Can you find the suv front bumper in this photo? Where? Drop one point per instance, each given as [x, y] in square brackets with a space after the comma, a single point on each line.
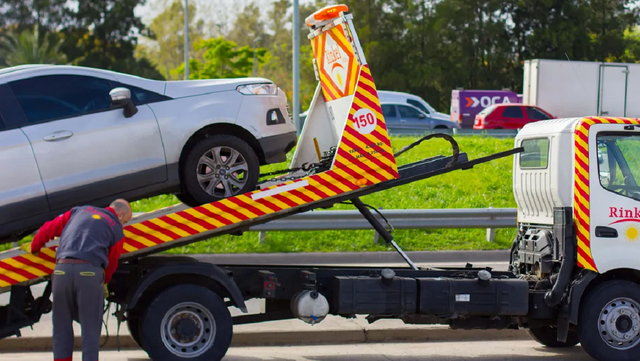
[276, 147]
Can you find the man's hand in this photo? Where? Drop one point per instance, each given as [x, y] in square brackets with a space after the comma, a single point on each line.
[106, 291]
[27, 248]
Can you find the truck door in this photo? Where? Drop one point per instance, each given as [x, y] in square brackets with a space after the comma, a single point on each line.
[614, 196]
[613, 91]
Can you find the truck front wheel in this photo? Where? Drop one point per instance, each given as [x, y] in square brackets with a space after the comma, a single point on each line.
[186, 322]
[609, 324]
[548, 336]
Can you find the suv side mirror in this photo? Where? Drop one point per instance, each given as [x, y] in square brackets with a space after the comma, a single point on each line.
[121, 98]
[422, 116]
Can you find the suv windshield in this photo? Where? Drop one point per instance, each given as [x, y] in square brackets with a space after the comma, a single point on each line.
[619, 164]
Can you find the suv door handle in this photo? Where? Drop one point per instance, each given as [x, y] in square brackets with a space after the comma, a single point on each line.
[58, 136]
[606, 232]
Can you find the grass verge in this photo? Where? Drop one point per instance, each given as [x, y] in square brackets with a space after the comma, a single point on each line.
[486, 185]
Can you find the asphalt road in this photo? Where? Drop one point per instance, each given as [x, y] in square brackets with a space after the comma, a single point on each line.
[432, 351]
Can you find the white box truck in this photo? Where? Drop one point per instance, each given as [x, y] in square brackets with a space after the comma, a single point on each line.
[579, 88]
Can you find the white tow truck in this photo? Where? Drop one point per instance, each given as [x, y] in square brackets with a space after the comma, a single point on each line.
[574, 271]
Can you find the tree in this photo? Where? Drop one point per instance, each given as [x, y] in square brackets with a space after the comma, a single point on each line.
[165, 49]
[248, 26]
[222, 59]
[30, 47]
[103, 36]
[47, 14]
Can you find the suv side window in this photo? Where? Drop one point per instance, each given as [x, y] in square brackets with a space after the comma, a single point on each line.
[408, 112]
[2, 125]
[61, 96]
[140, 96]
[418, 105]
[534, 113]
[512, 112]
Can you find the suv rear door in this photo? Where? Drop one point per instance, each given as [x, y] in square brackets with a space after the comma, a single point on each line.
[22, 194]
[87, 151]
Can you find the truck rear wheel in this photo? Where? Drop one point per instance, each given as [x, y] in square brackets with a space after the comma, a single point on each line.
[186, 322]
[548, 336]
[609, 324]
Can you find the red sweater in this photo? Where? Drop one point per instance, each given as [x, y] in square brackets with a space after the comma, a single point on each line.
[54, 228]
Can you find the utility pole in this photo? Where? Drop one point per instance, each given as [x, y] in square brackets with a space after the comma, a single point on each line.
[186, 39]
[254, 54]
[296, 65]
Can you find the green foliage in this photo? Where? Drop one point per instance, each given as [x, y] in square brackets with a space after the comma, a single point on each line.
[165, 48]
[25, 14]
[222, 59]
[31, 47]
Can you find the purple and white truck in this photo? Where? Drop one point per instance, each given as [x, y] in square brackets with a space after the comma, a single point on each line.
[466, 104]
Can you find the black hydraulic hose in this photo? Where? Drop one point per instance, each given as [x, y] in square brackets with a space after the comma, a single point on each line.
[553, 297]
[454, 145]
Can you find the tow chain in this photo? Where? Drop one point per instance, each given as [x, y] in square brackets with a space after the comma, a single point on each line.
[309, 169]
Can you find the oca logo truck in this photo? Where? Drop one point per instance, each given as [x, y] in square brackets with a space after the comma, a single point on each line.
[466, 104]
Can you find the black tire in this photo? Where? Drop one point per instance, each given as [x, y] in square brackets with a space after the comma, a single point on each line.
[216, 332]
[225, 145]
[548, 336]
[133, 324]
[187, 199]
[616, 294]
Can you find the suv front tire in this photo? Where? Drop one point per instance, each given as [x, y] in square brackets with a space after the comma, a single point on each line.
[217, 167]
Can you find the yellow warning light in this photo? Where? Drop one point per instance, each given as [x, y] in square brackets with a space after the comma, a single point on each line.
[326, 13]
[361, 182]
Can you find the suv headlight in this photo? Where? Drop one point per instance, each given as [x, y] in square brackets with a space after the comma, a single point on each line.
[258, 89]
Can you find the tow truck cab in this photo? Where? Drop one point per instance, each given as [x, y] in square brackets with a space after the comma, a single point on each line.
[576, 187]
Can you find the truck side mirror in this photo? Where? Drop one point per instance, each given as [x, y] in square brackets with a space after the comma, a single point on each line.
[422, 116]
[121, 98]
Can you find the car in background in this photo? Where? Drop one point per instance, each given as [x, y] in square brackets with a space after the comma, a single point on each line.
[509, 116]
[72, 135]
[401, 117]
[386, 96]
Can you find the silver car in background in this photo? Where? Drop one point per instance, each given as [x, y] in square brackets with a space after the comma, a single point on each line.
[404, 118]
[72, 135]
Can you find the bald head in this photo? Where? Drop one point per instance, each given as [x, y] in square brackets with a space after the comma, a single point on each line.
[123, 210]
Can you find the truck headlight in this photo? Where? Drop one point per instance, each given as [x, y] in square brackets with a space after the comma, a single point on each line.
[258, 89]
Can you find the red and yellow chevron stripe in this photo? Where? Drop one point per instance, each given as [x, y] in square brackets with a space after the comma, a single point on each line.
[581, 207]
[332, 52]
[368, 154]
[364, 157]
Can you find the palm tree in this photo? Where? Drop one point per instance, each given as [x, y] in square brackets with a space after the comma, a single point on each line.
[29, 48]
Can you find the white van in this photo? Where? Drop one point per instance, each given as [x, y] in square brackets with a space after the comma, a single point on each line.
[386, 96]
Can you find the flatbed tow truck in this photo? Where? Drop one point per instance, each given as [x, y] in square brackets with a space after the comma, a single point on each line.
[574, 273]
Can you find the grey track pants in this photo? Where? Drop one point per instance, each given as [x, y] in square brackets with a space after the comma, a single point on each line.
[78, 294]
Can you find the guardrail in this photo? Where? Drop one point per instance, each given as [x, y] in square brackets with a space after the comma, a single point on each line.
[496, 133]
[489, 218]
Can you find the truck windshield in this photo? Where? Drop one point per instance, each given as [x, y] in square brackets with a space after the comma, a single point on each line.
[619, 163]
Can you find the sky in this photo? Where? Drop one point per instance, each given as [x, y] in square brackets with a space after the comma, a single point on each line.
[211, 11]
